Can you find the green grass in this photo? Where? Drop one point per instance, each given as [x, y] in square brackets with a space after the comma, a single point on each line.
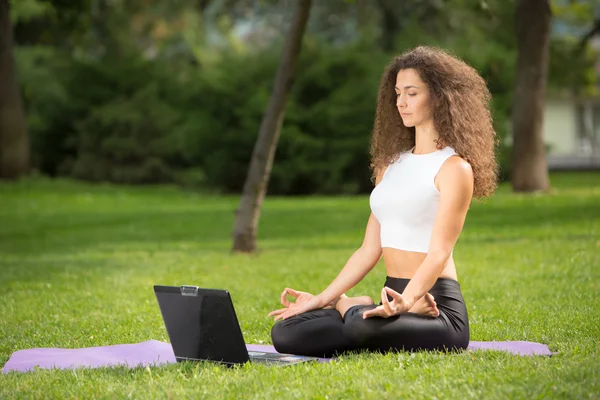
[77, 265]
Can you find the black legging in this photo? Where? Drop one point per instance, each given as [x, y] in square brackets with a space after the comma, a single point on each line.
[323, 333]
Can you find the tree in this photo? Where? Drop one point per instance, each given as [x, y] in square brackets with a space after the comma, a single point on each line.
[255, 187]
[14, 139]
[529, 166]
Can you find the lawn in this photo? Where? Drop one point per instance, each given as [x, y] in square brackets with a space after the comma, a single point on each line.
[78, 261]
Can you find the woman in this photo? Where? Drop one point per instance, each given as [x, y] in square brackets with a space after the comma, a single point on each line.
[432, 150]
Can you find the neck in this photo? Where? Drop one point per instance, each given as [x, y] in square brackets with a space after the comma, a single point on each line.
[426, 138]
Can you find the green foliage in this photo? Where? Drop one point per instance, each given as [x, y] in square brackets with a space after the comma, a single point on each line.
[128, 140]
[323, 146]
[330, 119]
[42, 72]
[575, 12]
[166, 94]
[78, 261]
[26, 10]
[114, 112]
[223, 107]
[102, 121]
[56, 22]
[571, 69]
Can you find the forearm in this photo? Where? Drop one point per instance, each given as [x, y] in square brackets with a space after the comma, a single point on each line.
[425, 276]
[357, 267]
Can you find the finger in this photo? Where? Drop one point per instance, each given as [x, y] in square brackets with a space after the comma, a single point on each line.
[368, 314]
[285, 315]
[289, 312]
[430, 300]
[279, 316]
[292, 292]
[283, 299]
[432, 304]
[277, 312]
[375, 312]
[395, 295]
[387, 306]
[398, 298]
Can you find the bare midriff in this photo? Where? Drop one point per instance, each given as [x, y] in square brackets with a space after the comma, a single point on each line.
[404, 264]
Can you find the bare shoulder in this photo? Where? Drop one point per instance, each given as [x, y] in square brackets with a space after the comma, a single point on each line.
[457, 166]
[455, 173]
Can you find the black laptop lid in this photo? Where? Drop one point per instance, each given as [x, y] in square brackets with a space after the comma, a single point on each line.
[201, 324]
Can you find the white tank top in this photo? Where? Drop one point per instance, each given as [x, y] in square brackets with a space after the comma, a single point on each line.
[406, 200]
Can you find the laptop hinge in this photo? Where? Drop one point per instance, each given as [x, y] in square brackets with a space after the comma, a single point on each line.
[189, 290]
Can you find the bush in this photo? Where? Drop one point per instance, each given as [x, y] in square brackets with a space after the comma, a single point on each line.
[129, 120]
[131, 139]
[102, 121]
[42, 73]
[323, 147]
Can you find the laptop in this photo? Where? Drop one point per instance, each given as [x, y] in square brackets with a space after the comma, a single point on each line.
[202, 326]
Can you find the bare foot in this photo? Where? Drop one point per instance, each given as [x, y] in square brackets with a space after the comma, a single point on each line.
[345, 303]
[426, 306]
[333, 304]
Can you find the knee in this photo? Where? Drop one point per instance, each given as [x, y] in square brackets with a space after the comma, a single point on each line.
[283, 337]
[357, 330]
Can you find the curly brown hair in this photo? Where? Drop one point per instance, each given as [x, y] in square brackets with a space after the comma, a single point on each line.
[461, 116]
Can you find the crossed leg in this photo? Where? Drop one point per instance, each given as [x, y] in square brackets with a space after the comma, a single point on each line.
[297, 334]
[426, 305]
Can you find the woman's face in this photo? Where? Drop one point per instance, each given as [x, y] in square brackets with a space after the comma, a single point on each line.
[412, 98]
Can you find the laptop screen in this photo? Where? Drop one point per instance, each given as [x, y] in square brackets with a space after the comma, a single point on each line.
[202, 325]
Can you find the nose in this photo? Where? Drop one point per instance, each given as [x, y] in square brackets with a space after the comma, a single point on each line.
[400, 101]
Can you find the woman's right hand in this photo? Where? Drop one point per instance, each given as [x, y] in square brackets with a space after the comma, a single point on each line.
[304, 302]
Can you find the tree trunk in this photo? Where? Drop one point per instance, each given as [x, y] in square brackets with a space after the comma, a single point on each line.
[529, 168]
[255, 187]
[14, 140]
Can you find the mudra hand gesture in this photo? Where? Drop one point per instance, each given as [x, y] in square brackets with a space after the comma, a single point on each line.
[304, 302]
[389, 308]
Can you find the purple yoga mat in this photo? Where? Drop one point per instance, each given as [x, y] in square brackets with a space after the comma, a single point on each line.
[154, 352]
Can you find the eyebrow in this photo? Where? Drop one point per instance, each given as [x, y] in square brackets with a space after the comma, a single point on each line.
[406, 87]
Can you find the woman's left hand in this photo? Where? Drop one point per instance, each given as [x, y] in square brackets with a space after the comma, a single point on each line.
[388, 308]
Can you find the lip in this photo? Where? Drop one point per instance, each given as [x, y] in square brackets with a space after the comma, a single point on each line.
[404, 114]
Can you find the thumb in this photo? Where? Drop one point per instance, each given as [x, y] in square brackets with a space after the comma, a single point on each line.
[292, 292]
[395, 295]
